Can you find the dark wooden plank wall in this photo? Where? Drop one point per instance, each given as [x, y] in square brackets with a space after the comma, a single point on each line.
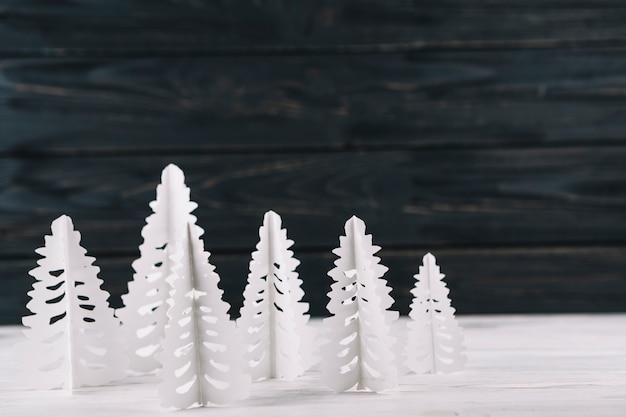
[491, 133]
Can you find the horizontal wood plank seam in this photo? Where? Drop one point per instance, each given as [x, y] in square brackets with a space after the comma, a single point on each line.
[27, 154]
[348, 49]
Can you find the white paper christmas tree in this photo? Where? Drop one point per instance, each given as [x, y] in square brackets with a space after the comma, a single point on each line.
[144, 315]
[273, 318]
[435, 340]
[202, 358]
[360, 349]
[73, 337]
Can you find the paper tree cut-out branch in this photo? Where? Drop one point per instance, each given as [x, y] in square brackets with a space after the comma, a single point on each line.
[202, 358]
[73, 338]
[434, 340]
[273, 318]
[144, 315]
[360, 349]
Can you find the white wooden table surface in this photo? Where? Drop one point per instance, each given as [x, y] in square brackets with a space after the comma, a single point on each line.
[554, 365]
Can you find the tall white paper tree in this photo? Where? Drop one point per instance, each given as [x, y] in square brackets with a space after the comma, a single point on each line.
[359, 350]
[73, 338]
[273, 318]
[144, 315]
[202, 358]
[434, 340]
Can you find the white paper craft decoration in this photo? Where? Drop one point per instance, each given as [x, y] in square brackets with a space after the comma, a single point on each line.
[273, 318]
[73, 337]
[435, 340]
[144, 315]
[202, 358]
[360, 349]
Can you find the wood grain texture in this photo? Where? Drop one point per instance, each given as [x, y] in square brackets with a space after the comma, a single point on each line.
[199, 27]
[492, 128]
[490, 280]
[437, 197]
[247, 104]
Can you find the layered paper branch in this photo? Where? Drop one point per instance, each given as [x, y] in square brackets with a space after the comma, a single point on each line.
[202, 357]
[144, 315]
[435, 340]
[73, 337]
[273, 318]
[359, 350]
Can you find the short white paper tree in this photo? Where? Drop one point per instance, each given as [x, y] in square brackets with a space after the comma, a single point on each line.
[434, 340]
[73, 338]
[273, 318]
[202, 358]
[144, 315]
[359, 350]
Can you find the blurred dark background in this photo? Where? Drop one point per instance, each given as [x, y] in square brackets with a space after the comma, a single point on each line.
[491, 133]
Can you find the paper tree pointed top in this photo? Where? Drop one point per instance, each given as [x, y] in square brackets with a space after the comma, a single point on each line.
[62, 221]
[430, 262]
[172, 169]
[272, 226]
[173, 178]
[73, 337]
[175, 196]
[435, 340]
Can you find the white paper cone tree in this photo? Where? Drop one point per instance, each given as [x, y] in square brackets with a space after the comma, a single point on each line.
[202, 358]
[144, 315]
[273, 318]
[359, 350]
[73, 338]
[434, 340]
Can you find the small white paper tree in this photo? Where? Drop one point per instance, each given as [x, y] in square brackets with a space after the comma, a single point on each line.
[144, 315]
[202, 358]
[273, 318]
[360, 349]
[73, 337]
[435, 340]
